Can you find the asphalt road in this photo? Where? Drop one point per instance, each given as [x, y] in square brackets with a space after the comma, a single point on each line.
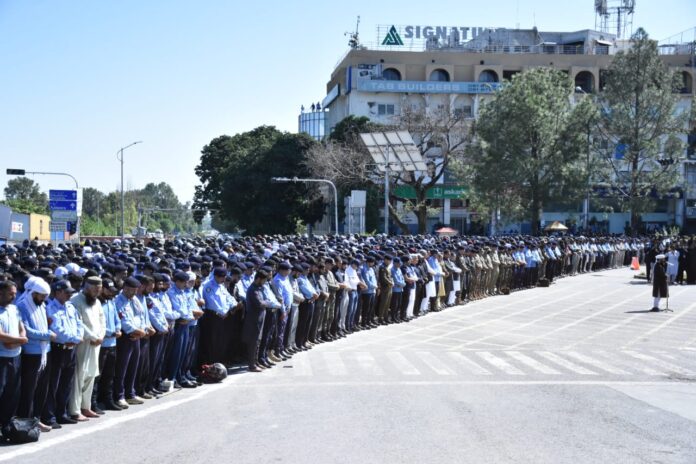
[574, 373]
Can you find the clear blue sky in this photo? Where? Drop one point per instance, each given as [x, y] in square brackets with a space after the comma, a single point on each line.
[80, 79]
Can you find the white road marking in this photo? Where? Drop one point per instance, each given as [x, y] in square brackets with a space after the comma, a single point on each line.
[659, 362]
[564, 363]
[534, 322]
[596, 363]
[334, 363]
[499, 363]
[673, 318]
[402, 364]
[434, 363]
[367, 362]
[533, 363]
[470, 365]
[578, 321]
[632, 365]
[301, 367]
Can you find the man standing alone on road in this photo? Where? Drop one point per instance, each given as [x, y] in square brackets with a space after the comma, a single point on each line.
[660, 282]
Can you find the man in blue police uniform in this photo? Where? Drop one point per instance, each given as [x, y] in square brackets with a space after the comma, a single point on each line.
[65, 323]
[104, 389]
[133, 326]
[182, 310]
[218, 304]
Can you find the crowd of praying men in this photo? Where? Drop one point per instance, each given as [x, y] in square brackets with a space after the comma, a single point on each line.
[107, 325]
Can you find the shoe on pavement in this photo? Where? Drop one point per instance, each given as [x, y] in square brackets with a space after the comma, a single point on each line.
[134, 401]
[44, 428]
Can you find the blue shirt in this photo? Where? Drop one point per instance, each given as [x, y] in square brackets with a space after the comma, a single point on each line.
[113, 323]
[65, 322]
[192, 295]
[399, 281]
[9, 323]
[132, 314]
[166, 303]
[36, 326]
[217, 298]
[284, 287]
[180, 304]
[306, 287]
[435, 265]
[369, 278]
[155, 312]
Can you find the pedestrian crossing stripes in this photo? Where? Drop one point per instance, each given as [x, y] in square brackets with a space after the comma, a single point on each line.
[489, 364]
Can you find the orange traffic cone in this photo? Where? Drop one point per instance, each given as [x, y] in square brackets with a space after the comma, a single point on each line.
[635, 265]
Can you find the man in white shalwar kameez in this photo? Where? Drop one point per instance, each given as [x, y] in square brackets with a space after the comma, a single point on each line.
[90, 310]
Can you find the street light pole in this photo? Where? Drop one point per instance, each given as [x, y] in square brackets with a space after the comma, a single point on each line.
[119, 155]
[325, 181]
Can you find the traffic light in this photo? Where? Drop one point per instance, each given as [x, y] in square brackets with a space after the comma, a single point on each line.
[72, 228]
[15, 172]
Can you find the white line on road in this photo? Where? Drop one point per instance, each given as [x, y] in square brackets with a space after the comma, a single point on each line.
[659, 362]
[367, 362]
[334, 363]
[533, 363]
[622, 361]
[577, 321]
[434, 363]
[661, 326]
[301, 367]
[402, 364]
[596, 363]
[539, 319]
[470, 365]
[564, 363]
[499, 363]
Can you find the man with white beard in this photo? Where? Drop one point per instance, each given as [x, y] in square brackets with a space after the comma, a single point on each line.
[90, 310]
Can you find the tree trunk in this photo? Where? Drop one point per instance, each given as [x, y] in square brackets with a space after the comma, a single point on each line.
[422, 214]
[394, 217]
[537, 209]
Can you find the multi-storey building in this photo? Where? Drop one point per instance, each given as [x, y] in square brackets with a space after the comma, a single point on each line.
[424, 67]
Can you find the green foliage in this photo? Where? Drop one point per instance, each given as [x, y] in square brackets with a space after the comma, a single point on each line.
[529, 146]
[24, 196]
[236, 172]
[638, 110]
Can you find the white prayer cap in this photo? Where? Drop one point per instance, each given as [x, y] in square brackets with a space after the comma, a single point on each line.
[72, 268]
[191, 275]
[61, 272]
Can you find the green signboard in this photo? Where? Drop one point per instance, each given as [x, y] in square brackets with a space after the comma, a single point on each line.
[438, 192]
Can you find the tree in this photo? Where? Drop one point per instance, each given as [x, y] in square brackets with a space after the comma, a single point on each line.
[637, 135]
[242, 191]
[528, 146]
[24, 195]
[440, 135]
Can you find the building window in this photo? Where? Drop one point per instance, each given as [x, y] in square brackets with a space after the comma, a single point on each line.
[488, 76]
[391, 74]
[385, 109]
[508, 75]
[687, 83]
[462, 112]
[439, 75]
[584, 80]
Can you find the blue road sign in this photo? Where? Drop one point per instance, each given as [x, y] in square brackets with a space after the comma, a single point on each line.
[59, 205]
[62, 195]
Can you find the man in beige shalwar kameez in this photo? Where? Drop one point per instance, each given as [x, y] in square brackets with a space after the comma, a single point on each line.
[90, 310]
